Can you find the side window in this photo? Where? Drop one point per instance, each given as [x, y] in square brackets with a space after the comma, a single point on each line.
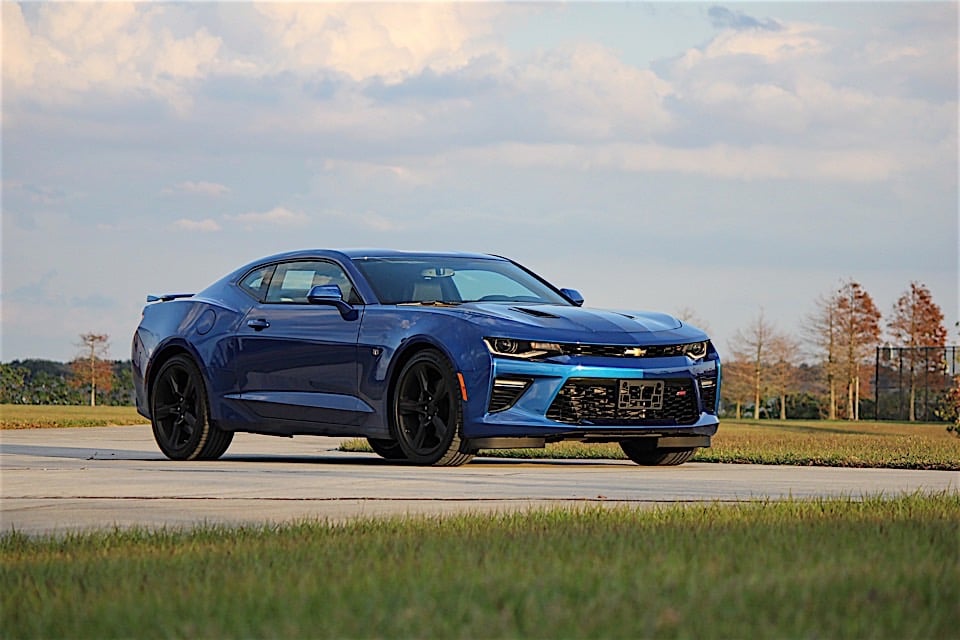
[292, 281]
[256, 282]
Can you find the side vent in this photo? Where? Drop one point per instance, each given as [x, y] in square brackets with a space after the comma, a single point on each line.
[708, 394]
[506, 392]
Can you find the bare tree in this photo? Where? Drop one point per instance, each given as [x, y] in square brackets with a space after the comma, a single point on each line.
[91, 367]
[689, 316]
[737, 384]
[917, 322]
[784, 355]
[820, 328]
[751, 345]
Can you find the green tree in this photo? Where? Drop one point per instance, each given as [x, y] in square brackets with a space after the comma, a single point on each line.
[13, 380]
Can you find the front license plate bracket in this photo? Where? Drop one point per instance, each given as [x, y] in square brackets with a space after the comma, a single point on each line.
[640, 394]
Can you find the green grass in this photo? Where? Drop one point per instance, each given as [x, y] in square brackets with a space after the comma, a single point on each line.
[836, 444]
[832, 568]
[896, 445]
[35, 416]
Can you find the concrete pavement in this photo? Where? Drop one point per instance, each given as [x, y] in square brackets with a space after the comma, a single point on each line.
[55, 480]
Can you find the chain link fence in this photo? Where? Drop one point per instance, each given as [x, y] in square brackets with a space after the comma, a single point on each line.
[914, 383]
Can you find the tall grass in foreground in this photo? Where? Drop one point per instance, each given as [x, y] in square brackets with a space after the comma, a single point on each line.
[831, 568]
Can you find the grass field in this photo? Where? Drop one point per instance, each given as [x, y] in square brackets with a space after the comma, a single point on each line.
[819, 443]
[28, 416]
[840, 444]
[813, 443]
[836, 444]
[836, 569]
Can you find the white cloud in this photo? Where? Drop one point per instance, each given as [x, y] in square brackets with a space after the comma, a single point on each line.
[588, 91]
[206, 225]
[773, 46]
[213, 189]
[278, 216]
[186, 58]
[75, 48]
[760, 162]
[850, 103]
[383, 40]
[396, 174]
[379, 223]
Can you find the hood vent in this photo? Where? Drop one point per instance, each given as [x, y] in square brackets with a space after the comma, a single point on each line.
[536, 313]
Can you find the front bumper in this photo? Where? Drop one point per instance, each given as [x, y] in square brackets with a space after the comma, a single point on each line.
[578, 400]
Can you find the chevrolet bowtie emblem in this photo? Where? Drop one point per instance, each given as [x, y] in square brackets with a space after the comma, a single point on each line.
[636, 352]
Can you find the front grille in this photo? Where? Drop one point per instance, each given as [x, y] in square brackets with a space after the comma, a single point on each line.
[596, 401]
[506, 392]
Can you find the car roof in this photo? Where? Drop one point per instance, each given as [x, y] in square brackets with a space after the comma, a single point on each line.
[343, 255]
[356, 254]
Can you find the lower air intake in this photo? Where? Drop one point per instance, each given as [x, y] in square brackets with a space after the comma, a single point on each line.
[598, 401]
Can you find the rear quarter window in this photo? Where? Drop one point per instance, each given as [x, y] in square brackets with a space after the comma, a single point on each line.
[257, 282]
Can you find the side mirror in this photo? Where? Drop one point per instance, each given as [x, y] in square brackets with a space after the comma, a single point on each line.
[330, 295]
[573, 296]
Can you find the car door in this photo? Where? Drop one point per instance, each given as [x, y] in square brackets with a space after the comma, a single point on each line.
[296, 360]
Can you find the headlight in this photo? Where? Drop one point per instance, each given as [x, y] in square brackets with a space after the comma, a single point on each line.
[525, 349]
[695, 350]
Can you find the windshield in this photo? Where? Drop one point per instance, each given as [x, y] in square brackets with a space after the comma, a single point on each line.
[452, 280]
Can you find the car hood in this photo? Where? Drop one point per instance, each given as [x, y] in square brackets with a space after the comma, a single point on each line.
[578, 324]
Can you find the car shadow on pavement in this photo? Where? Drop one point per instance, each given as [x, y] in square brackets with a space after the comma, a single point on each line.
[77, 453]
[366, 459]
[338, 458]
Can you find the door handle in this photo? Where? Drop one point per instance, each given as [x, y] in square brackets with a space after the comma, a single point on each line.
[258, 324]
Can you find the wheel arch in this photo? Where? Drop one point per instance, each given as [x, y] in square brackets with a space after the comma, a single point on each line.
[455, 452]
[410, 348]
[164, 354]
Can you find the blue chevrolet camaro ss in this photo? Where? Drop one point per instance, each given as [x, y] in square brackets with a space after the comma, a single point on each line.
[429, 356]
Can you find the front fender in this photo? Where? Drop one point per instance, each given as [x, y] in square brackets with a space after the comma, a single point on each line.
[390, 335]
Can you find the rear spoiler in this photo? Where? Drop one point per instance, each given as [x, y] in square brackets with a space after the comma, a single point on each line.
[166, 297]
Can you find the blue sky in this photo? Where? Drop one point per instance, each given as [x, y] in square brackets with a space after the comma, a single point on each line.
[713, 158]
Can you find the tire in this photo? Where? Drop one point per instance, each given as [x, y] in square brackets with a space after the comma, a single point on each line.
[387, 449]
[426, 413]
[179, 414]
[652, 457]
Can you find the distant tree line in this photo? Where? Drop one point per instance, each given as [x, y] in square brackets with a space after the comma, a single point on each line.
[49, 382]
[90, 378]
[829, 371]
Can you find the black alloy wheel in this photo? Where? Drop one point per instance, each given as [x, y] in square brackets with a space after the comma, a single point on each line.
[427, 415]
[653, 457]
[178, 410]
